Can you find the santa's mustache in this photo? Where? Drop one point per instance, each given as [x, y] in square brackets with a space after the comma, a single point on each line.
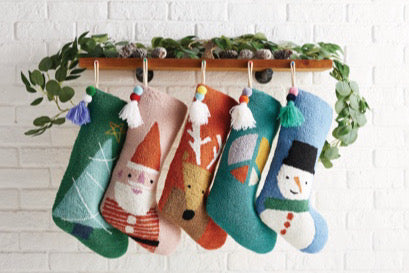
[139, 186]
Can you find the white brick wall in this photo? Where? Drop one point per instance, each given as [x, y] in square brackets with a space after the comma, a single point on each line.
[364, 197]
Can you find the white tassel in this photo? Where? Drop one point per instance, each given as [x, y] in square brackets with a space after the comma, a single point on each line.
[242, 117]
[199, 113]
[130, 113]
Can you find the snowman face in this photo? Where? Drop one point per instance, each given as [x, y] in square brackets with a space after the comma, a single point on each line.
[293, 183]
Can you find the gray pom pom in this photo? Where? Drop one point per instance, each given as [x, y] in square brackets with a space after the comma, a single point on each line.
[127, 50]
[246, 54]
[140, 53]
[159, 52]
[263, 54]
[228, 54]
[283, 54]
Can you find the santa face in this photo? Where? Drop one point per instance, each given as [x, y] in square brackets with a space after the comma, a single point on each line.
[136, 191]
[293, 183]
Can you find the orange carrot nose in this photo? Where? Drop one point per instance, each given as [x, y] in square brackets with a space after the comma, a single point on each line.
[297, 181]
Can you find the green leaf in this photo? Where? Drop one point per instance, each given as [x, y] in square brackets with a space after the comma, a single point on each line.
[361, 119]
[58, 121]
[100, 38]
[344, 130]
[30, 89]
[37, 78]
[339, 106]
[326, 162]
[66, 94]
[36, 101]
[354, 101]
[40, 121]
[61, 74]
[24, 79]
[45, 64]
[53, 88]
[72, 77]
[349, 138]
[332, 153]
[77, 71]
[343, 88]
[32, 132]
[73, 64]
[354, 86]
[156, 41]
[260, 36]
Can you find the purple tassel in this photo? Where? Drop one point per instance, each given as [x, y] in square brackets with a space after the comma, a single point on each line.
[79, 114]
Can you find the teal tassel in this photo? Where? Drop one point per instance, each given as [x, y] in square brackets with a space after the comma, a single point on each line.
[290, 115]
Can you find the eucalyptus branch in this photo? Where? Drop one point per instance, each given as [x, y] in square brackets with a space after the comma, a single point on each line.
[350, 106]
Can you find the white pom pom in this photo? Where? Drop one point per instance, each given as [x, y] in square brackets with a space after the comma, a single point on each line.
[131, 114]
[199, 113]
[242, 117]
[87, 98]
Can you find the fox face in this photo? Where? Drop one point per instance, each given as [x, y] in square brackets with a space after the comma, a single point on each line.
[196, 182]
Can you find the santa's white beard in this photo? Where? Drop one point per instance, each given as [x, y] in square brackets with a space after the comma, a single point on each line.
[137, 204]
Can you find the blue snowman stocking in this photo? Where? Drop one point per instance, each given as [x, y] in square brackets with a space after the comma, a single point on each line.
[283, 204]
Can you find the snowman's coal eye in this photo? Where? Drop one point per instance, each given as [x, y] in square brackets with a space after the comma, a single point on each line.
[306, 182]
[286, 177]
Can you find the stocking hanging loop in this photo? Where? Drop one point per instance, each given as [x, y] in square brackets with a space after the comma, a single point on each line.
[203, 70]
[250, 74]
[292, 66]
[290, 115]
[96, 73]
[145, 72]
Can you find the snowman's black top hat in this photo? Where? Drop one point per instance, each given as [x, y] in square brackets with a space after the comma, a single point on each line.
[302, 156]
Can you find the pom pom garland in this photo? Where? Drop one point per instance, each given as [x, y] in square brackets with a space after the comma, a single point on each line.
[290, 115]
[199, 112]
[79, 114]
[130, 112]
[241, 115]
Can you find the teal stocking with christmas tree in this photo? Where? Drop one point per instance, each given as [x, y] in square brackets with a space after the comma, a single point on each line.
[76, 207]
[231, 202]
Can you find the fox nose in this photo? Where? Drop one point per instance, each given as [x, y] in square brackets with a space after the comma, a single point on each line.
[188, 214]
[297, 181]
[141, 178]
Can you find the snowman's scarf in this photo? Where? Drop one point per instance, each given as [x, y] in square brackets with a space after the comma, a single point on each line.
[287, 205]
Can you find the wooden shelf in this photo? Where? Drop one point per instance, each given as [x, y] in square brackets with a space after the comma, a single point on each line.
[211, 65]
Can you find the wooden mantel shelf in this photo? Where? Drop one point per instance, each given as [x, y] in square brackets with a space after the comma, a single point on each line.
[211, 65]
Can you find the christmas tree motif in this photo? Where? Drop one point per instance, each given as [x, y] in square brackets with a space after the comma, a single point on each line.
[85, 194]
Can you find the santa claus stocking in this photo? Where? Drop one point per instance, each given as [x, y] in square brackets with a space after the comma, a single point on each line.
[283, 204]
[76, 207]
[231, 200]
[130, 201]
[191, 171]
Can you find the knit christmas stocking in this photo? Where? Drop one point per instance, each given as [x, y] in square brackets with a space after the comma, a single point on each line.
[191, 171]
[231, 202]
[283, 204]
[130, 201]
[76, 207]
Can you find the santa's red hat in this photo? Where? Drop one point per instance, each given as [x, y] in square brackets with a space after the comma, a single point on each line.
[147, 154]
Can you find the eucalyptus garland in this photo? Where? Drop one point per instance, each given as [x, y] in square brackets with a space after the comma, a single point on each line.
[51, 79]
